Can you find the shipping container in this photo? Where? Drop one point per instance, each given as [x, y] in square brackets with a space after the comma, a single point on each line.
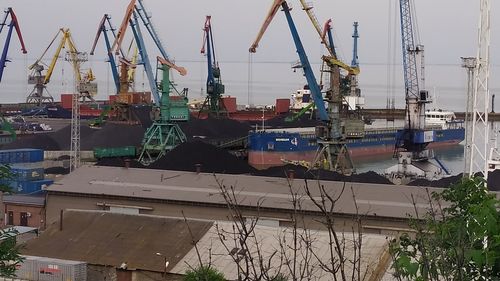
[121, 98]
[282, 106]
[26, 270]
[20, 186]
[48, 269]
[90, 113]
[25, 155]
[125, 151]
[67, 101]
[27, 174]
[229, 104]
[27, 165]
[141, 98]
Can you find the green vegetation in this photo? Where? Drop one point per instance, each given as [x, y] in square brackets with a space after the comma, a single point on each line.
[9, 253]
[204, 273]
[458, 239]
[5, 174]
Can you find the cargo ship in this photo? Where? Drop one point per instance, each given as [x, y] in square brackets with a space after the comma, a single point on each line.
[234, 111]
[269, 148]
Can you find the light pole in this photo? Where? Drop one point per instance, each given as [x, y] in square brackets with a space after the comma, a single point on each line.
[165, 263]
[469, 63]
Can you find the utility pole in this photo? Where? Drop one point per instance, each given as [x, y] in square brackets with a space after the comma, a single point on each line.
[480, 129]
[75, 58]
[469, 63]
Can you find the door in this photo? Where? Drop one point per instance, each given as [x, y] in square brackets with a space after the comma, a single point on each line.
[10, 218]
[24, 219]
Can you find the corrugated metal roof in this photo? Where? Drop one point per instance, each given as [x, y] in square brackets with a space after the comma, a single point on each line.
[372, 199]
[21, 229]
[104, 238]
[373, 247]
[24, 200]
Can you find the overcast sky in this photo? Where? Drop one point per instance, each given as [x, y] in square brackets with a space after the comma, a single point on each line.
[448, 29]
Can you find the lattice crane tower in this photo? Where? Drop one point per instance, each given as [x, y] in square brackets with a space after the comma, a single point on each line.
[480, 130]
[76, 58]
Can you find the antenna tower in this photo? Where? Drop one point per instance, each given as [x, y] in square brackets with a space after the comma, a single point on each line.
[480, 130]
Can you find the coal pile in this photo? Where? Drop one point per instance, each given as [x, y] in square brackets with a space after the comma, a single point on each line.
[110, 135]
[56, 171]
[186, 156]
[443, 183]
[300, 172]
[212, 128]
[38, 141]
[493, 181]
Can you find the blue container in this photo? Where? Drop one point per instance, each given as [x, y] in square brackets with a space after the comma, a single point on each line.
[25, 155]
[31, 186]
[27, 174]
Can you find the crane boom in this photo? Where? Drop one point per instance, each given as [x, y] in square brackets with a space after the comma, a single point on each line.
[148, 24]
[270, 15]
[111, 59]
[306, 66]
[14, 24]
[66, 39]
[408, 45]
[182, 71]
[123, 27]
[136, 30]
[308, 9]
[333, 59]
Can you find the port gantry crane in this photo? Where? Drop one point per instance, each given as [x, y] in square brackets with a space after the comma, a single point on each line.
[332, 152]
[123, 75]
[412, 141]
[350, 112]
[13, 24]
[86, 88]
[213, 102]
[106, 26]
[164, 134]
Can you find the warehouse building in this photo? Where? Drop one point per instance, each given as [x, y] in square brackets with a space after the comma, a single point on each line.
[24, 210]
[383, 208]
[144, 247]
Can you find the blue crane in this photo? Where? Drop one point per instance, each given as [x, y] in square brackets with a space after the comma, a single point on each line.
[332, 152]
[105, 26]
[306, 66]
[411, 137]
[412, 141]
[214, 85]
[355, 35]
[13, 24]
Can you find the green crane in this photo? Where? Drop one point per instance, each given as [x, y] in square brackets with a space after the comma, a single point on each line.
[164, 135]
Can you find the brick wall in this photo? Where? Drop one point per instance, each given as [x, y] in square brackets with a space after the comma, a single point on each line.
[35, 214]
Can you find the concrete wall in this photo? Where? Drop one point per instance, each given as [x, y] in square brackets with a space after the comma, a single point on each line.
[51, 155]
[58, 202]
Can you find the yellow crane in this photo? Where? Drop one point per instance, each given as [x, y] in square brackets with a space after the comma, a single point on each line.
[332, 58]
[87, 89]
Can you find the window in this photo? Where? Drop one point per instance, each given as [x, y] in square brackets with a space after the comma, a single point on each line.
[270, 146]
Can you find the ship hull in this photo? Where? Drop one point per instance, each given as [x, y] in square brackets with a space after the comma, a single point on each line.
[270, 149]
